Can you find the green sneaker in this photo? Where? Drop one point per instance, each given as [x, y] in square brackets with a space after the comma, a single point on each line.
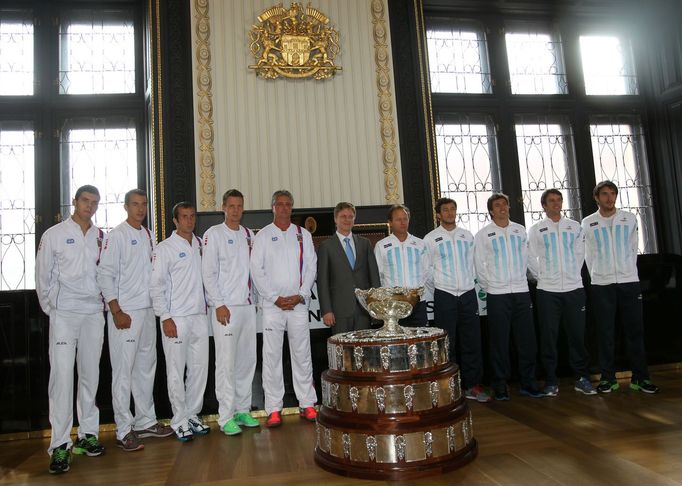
[245, 419]
[88, 445]
[644, 386]
[60, 460]
[231, 428]
[606, 386]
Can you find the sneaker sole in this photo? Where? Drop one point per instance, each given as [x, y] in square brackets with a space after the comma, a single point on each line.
[83, 452]
[155, 436]
[184, 439]
[592, 392]
[124, 449]
[230, 434]
[502, 399]
[61, 471]
[244, 424]
[201, 432]
[273, 426]
[640, 389]
[526, 394]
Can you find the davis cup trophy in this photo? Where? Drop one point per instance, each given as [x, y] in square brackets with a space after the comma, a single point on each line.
[392, 404]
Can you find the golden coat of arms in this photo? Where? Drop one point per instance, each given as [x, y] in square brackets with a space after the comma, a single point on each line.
[294, 43]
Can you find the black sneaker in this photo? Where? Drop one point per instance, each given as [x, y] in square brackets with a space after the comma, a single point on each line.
[88, 445]
[502, 395]
[644, 386]
[61, 460]
[529, 391]
[606, 386]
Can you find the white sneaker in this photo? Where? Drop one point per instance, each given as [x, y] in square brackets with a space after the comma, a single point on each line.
[198, 427]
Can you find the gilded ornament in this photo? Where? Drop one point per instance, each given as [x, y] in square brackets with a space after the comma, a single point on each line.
[294, 43]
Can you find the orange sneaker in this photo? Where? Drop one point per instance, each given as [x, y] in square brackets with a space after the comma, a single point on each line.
[274, 420]
[308, 413]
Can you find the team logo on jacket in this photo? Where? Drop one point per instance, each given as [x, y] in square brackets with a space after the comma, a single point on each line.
[594, 224]
[182, 254]
[440, 238]
[274, 238]
[70, 241]
[388, 245]
[515, 231]
[133, 242]
[491, 234]
[230, 242]
[543, 229]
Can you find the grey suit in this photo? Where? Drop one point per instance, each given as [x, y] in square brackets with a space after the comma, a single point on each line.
[336, 281]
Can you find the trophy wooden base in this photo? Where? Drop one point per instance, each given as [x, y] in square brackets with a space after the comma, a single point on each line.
[392, 408]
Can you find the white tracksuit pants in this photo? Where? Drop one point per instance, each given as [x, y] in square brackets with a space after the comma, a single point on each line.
[79, 338]
[295, 322]
[235, 360]
[189, 349]
[133, 367]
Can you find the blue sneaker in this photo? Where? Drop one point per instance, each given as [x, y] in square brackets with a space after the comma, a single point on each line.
[550, 390]
[583, 385]
[530, 391]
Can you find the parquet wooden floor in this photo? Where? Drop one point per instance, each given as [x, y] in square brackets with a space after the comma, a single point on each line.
[624, 438]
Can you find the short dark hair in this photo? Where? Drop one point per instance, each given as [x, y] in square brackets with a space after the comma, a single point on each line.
[86, 188]
[602, 185]
[396, 207]
[182, 205]
[494, 197]
[133, 192]
[543, 198]
[343, 205]
[232, 193]
[281, 192]
[443, 201]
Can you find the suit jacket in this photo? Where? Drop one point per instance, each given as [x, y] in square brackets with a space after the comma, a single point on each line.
[336, 280]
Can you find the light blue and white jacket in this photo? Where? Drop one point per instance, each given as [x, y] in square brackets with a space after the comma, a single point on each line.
[403, 264]
[556, 252]
[611, 247]
[452, 259]
[500, 258]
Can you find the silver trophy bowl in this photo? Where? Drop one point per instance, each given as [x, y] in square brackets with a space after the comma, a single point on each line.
[389, 304]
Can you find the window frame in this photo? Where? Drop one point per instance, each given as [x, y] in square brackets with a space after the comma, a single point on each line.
[575, 106]
[48, 110]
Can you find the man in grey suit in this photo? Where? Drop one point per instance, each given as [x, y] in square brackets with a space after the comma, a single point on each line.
[345, 262]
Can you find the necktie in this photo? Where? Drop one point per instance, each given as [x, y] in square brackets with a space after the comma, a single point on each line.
[349, 252]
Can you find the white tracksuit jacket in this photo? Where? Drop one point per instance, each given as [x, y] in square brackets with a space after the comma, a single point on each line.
[556, 252]
[125, 267]
[500, 258]
[452, 259]
[176, 285]
[279, 267]
[403, 264]
[611, 247]
[66, 268]
[225, 266]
